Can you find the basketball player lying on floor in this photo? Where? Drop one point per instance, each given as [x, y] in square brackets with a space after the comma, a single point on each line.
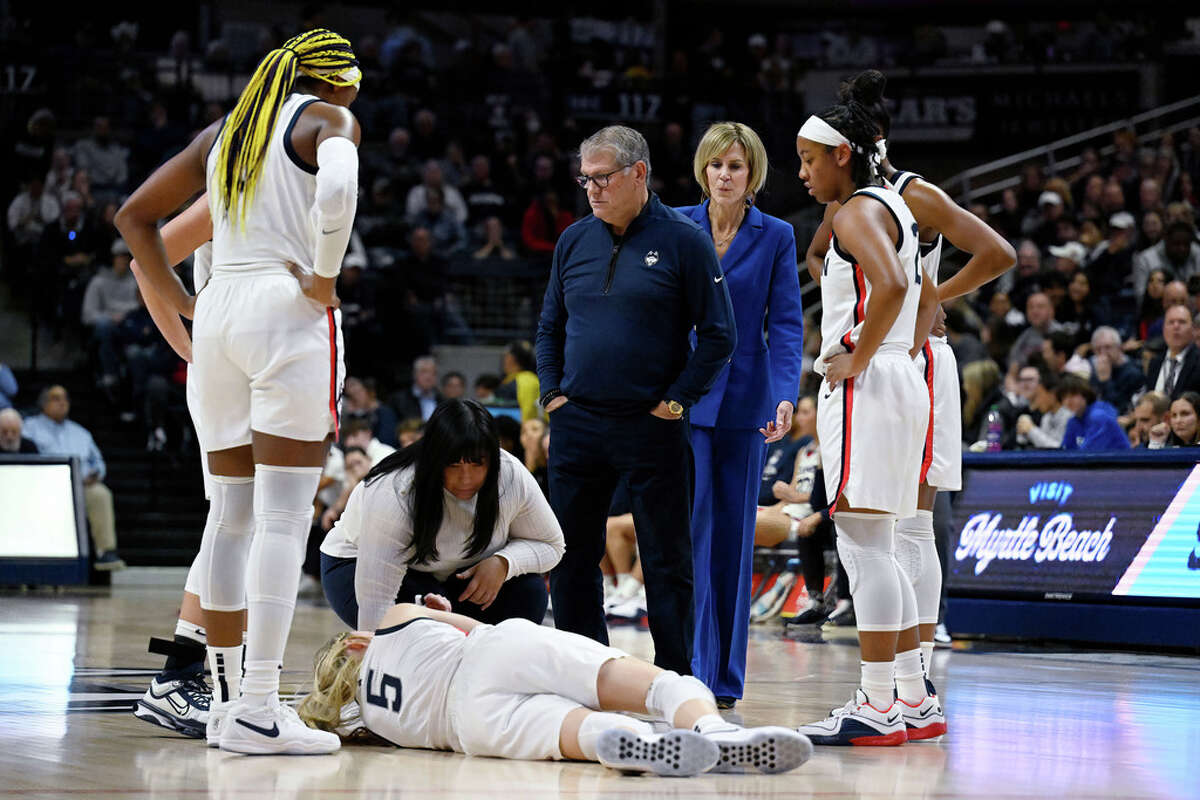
[432, 679]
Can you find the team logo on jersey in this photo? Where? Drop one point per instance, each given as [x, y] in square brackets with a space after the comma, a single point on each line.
[651, 258]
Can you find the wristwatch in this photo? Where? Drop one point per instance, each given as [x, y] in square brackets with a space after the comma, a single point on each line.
[675, 407]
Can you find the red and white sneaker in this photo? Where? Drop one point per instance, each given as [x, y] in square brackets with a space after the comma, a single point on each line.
[923, 721]
[859, 723]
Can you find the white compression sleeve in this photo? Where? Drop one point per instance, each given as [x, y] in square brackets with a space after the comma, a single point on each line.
[335, 203]
[864, 545]
[225, 546]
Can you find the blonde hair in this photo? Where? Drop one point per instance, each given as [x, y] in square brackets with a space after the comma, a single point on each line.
[335, 684]
[979, 379]
[319, 54]
[719, 137]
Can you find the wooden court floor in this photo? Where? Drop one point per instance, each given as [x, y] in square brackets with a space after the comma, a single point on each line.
[1024, 723]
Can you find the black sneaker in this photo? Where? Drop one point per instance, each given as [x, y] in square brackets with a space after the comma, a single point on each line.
[725, 702]
[109, 561]
[843, 619]
[811, 616]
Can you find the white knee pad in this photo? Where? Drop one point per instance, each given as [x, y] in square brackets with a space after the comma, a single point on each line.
[220, 567]
[283, 512]
[670, 690]
[916, 551]
[598, 722]
[197, 574]
[864, 545]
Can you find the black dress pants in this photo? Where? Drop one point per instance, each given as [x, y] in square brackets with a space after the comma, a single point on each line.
[589, 453]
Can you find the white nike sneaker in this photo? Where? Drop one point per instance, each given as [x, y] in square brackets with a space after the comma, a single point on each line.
[924, 720]
[859, 723]
[181, 705]
[769, 749]
[677, 753]
[273, 728]
[631, 608]
[216, 718]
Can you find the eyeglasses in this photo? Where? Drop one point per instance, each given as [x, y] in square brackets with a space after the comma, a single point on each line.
[600, 180]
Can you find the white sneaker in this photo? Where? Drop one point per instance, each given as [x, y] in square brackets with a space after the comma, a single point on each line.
[925, 720]
[859, 723]
[181, 705]
[216, 718]
[631, 608]
[273, 728]
[941, 636]
[676, 753]
[768, 749]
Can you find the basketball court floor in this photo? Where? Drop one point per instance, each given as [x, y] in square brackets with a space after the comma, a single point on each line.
[1024, 722]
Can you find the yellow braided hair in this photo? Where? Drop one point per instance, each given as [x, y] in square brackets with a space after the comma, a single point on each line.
[319, 54]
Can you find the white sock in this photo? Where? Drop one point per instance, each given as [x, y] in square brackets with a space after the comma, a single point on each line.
[225, 664]
[878, 683]
[283, 499]
[910, 679]
[627, 585]
[926, 657]
[712, 723]
[598, 722]
[192, 631]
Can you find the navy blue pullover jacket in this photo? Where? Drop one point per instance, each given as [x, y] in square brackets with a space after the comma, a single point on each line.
[613, 335]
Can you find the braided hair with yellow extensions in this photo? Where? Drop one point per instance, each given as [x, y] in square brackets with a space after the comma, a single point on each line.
[319, 54]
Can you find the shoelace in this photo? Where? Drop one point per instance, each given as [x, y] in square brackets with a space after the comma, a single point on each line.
[197, 692]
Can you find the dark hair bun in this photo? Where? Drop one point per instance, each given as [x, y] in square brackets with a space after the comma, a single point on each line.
[866, 88]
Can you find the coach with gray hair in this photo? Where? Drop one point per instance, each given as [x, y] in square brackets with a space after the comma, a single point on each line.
[627, 287]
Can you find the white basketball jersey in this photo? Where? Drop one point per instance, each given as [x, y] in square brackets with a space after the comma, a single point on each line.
[931, 252]
[403, 681]
[846, 292]
[278, 223]
[201, 266]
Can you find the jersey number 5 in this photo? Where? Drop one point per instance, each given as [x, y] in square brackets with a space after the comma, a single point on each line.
[386, 682]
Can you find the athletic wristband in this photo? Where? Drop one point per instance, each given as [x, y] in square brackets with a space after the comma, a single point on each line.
[550, 395]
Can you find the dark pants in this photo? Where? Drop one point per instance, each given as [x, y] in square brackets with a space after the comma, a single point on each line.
[589, 453]
[521, 597]
[943, 522]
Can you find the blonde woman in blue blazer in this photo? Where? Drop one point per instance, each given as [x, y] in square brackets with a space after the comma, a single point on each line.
[750, 404]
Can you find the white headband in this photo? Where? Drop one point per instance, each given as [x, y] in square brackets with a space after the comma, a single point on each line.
[881, 148]
[818, 130]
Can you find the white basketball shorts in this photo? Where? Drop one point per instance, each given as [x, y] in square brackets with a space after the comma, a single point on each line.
[266, 359]
[515, 685]
[941, 463]
[872, 432]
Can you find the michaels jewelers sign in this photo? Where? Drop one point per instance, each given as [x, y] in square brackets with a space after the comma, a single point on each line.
[1077, 533]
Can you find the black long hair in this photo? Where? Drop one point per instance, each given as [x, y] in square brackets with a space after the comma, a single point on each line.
[458, 430]
[853, 118]
[866, 89]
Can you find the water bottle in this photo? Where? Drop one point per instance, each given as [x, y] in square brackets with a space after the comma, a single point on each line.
[995, 430]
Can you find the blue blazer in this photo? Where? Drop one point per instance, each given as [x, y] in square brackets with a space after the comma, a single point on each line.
[764, 285]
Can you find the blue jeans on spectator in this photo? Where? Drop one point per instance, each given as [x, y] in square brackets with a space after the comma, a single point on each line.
[104, 335]
[522, 597]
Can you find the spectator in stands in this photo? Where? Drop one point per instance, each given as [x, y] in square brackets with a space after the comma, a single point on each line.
[1112, 261]
[1007, 220]
[485, 388]
[356, 435]
[409, 431]
[983, 391]
[70, 245]
[423, 278]
[151, 364]
[1150, 196]
[106, 161]
[352, 465]
[1150, 307]
[1184, 430]
[532, 431]
[58, 179]
[432, 177]
[543, 222]
[1029, 192]
[1039, 313]
[397, 163]
[1041, 224]
[1052, 418]
[1178, 251]
[111, 295]
[379, 220]
[1178, 370]
[483, 197]
[8, 386]
[1114, 376]
[1112, 201]
[1151, 231]
[520, 384]
[1076, 312]
[1090, 204]
[449, 235]
[360, 401]
[454, 386]
[1068, 258]
[1057, 349]
[1093, 424]
[11, 440]
[1003, 324]
[30, 212]
[1153, 408]
[1026, 279]
[493, 242]
[55, 435]
[419, 400]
